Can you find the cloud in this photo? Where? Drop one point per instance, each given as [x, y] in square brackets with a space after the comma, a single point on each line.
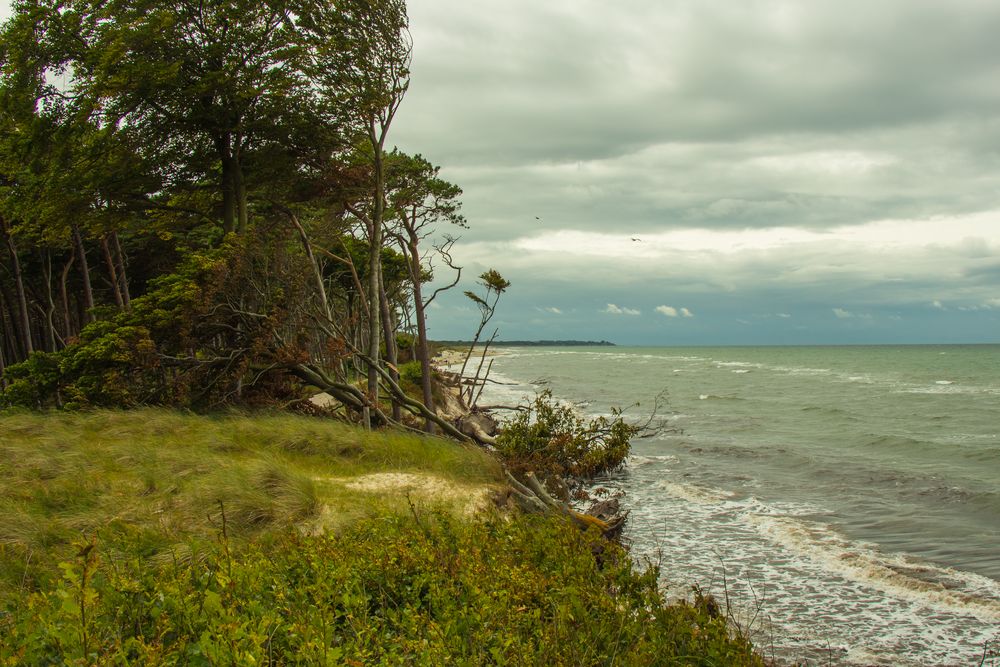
[670, 311]
[616, 310]
[937, 304]
[869, 190]
[550, 309]
[842, 314]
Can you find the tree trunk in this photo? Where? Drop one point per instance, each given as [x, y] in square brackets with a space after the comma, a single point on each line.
[375, 266]
[240, 192]
[223, 146]
[50, 310]
[3, 357]
[68, 329]
[422, 349]
[122, 276]
[24, 325]
[391, 351]
[8, 346]
[112, 273]
[88, 292]
[8, 318]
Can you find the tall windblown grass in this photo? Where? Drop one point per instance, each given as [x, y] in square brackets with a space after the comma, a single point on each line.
[161, 481]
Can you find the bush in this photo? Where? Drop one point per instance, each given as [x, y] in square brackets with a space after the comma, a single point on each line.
[184, 342]
[550, 438]
[116, 362]
[411, 372]
[395, 590]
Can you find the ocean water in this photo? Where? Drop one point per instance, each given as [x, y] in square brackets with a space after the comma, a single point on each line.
[844, 500]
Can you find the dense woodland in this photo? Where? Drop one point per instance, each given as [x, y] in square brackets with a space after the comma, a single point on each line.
[200, 206]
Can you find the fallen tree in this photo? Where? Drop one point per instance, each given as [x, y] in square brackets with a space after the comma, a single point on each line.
[533, 498]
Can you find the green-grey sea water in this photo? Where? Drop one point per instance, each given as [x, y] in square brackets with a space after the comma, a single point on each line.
[846, 498]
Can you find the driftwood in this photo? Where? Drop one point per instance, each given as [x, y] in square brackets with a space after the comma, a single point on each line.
[532, 497]
[478, 426]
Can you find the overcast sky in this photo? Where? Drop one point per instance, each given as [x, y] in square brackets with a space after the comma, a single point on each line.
[794, 172]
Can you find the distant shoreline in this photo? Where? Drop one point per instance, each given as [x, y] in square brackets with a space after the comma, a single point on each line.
[531, 343]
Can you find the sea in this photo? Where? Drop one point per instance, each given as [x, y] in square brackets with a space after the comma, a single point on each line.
[843, 502]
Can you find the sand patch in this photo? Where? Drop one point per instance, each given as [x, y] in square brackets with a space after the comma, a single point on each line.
[424, 485]
[446, 358]
[420, 487]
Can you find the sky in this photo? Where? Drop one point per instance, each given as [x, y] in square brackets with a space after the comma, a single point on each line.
[689, 172]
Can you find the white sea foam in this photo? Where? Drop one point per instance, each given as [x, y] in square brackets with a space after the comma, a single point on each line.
[694, 493]
[923, 583]
[640, 460]
[802, 370]
[948, 389]
[944, 382]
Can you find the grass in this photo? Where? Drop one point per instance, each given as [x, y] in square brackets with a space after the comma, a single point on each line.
[157, 537]
[158, 481]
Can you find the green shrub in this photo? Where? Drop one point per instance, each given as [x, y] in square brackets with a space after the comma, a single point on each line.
[116, 361]
[425, 589]
[411, 372]
[551, 438]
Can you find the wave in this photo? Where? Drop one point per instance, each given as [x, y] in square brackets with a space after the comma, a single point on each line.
[824, 410]
[948, 387]
[640, 460]
[803, 370]
[737, 364]
[694, 493]
[941, 588]
[715, 397]
[892, 443]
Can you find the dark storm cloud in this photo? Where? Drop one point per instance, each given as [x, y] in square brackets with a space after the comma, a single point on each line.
[588, 80]
[641, 115]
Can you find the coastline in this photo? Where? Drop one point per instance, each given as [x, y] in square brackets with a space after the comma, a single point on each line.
[450, 356]
[306, 528]
[700, 490]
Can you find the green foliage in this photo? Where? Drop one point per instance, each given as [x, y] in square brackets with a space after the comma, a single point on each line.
[116, 362]
[424, 589]
[550, 437]
[411, 373]
[151, 480]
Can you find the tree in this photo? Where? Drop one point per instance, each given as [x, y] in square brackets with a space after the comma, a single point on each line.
[363, 64]
[213, 92]
[495, 285]
[419, 200]
[135, 135]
